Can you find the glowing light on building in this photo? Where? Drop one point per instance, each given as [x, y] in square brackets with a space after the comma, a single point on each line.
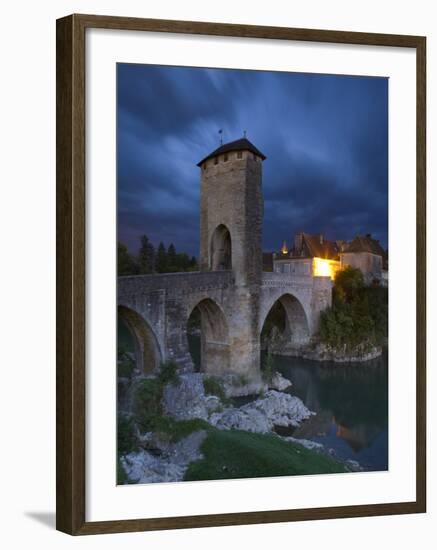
[325, 268]
[284, 248]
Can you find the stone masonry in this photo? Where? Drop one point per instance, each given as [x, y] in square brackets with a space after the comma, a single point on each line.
[231, 292]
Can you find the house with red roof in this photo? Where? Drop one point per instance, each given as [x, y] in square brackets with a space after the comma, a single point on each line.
[315, 256]
[366, 254]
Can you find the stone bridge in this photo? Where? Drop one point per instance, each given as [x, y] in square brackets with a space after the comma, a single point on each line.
[157, 309]
[231, 295]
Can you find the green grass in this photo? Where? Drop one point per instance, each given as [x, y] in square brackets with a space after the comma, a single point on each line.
[175, 430]
[236, 454]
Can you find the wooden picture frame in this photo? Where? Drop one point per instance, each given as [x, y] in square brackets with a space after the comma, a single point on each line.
[71, 253]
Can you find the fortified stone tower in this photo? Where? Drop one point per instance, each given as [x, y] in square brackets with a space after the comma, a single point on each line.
[231, 211]
[231, 217]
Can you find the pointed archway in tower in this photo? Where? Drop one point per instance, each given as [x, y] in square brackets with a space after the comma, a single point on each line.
[221, 249]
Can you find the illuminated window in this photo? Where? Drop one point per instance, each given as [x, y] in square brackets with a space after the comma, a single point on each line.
[324, 268]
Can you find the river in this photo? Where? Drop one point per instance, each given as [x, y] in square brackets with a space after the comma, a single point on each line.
[350, 402]
[351, 406]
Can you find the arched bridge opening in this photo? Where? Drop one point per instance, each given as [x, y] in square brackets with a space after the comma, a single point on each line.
[208, 337]
[285, 326]
[136, 335]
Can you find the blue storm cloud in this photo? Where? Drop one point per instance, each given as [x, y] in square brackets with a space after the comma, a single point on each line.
[325, 138]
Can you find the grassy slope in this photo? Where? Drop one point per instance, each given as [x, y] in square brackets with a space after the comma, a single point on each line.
[237, 454]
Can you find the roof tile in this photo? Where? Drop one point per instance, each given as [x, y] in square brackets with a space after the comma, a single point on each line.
[242, 144]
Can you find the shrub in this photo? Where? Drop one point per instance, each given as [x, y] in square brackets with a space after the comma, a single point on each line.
[126, 438]
[213, 386]
[122, 478]
[147, 402]
[147, 406]
[168, 373]
[377, 298]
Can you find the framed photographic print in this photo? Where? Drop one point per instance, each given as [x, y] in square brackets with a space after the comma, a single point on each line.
[241, 274]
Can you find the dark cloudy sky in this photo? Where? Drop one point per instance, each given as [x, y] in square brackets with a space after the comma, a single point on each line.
[325, 138]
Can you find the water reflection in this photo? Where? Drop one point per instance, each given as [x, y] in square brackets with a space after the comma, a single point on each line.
[351, 402]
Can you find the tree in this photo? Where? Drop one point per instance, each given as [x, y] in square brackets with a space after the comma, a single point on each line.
[126, 264]
[183, 262]
[161, 259]
[146, 256]
[348, 282]
[193, 264]
[172, 263]
[358, 316]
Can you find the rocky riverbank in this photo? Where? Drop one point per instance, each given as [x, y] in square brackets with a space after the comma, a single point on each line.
[317, 351]
[192, 416]
[323, 352]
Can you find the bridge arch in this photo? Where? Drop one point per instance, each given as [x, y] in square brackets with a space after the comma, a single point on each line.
[208, 319]
[284, 324]
[221, 249]
[147, 351]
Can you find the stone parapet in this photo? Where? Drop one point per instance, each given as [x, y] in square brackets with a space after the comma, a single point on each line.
[174, 282]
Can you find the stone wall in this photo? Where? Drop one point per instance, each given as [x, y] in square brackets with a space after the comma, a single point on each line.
[231, 195]
[321, 298]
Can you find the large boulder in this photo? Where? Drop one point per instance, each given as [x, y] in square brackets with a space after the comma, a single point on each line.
[144, 467]
[279, 382]
[307, 443]
[235, 385]
[274, 409]
[240, 419]
[186, 398]
[170, 465]
[282, 409]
